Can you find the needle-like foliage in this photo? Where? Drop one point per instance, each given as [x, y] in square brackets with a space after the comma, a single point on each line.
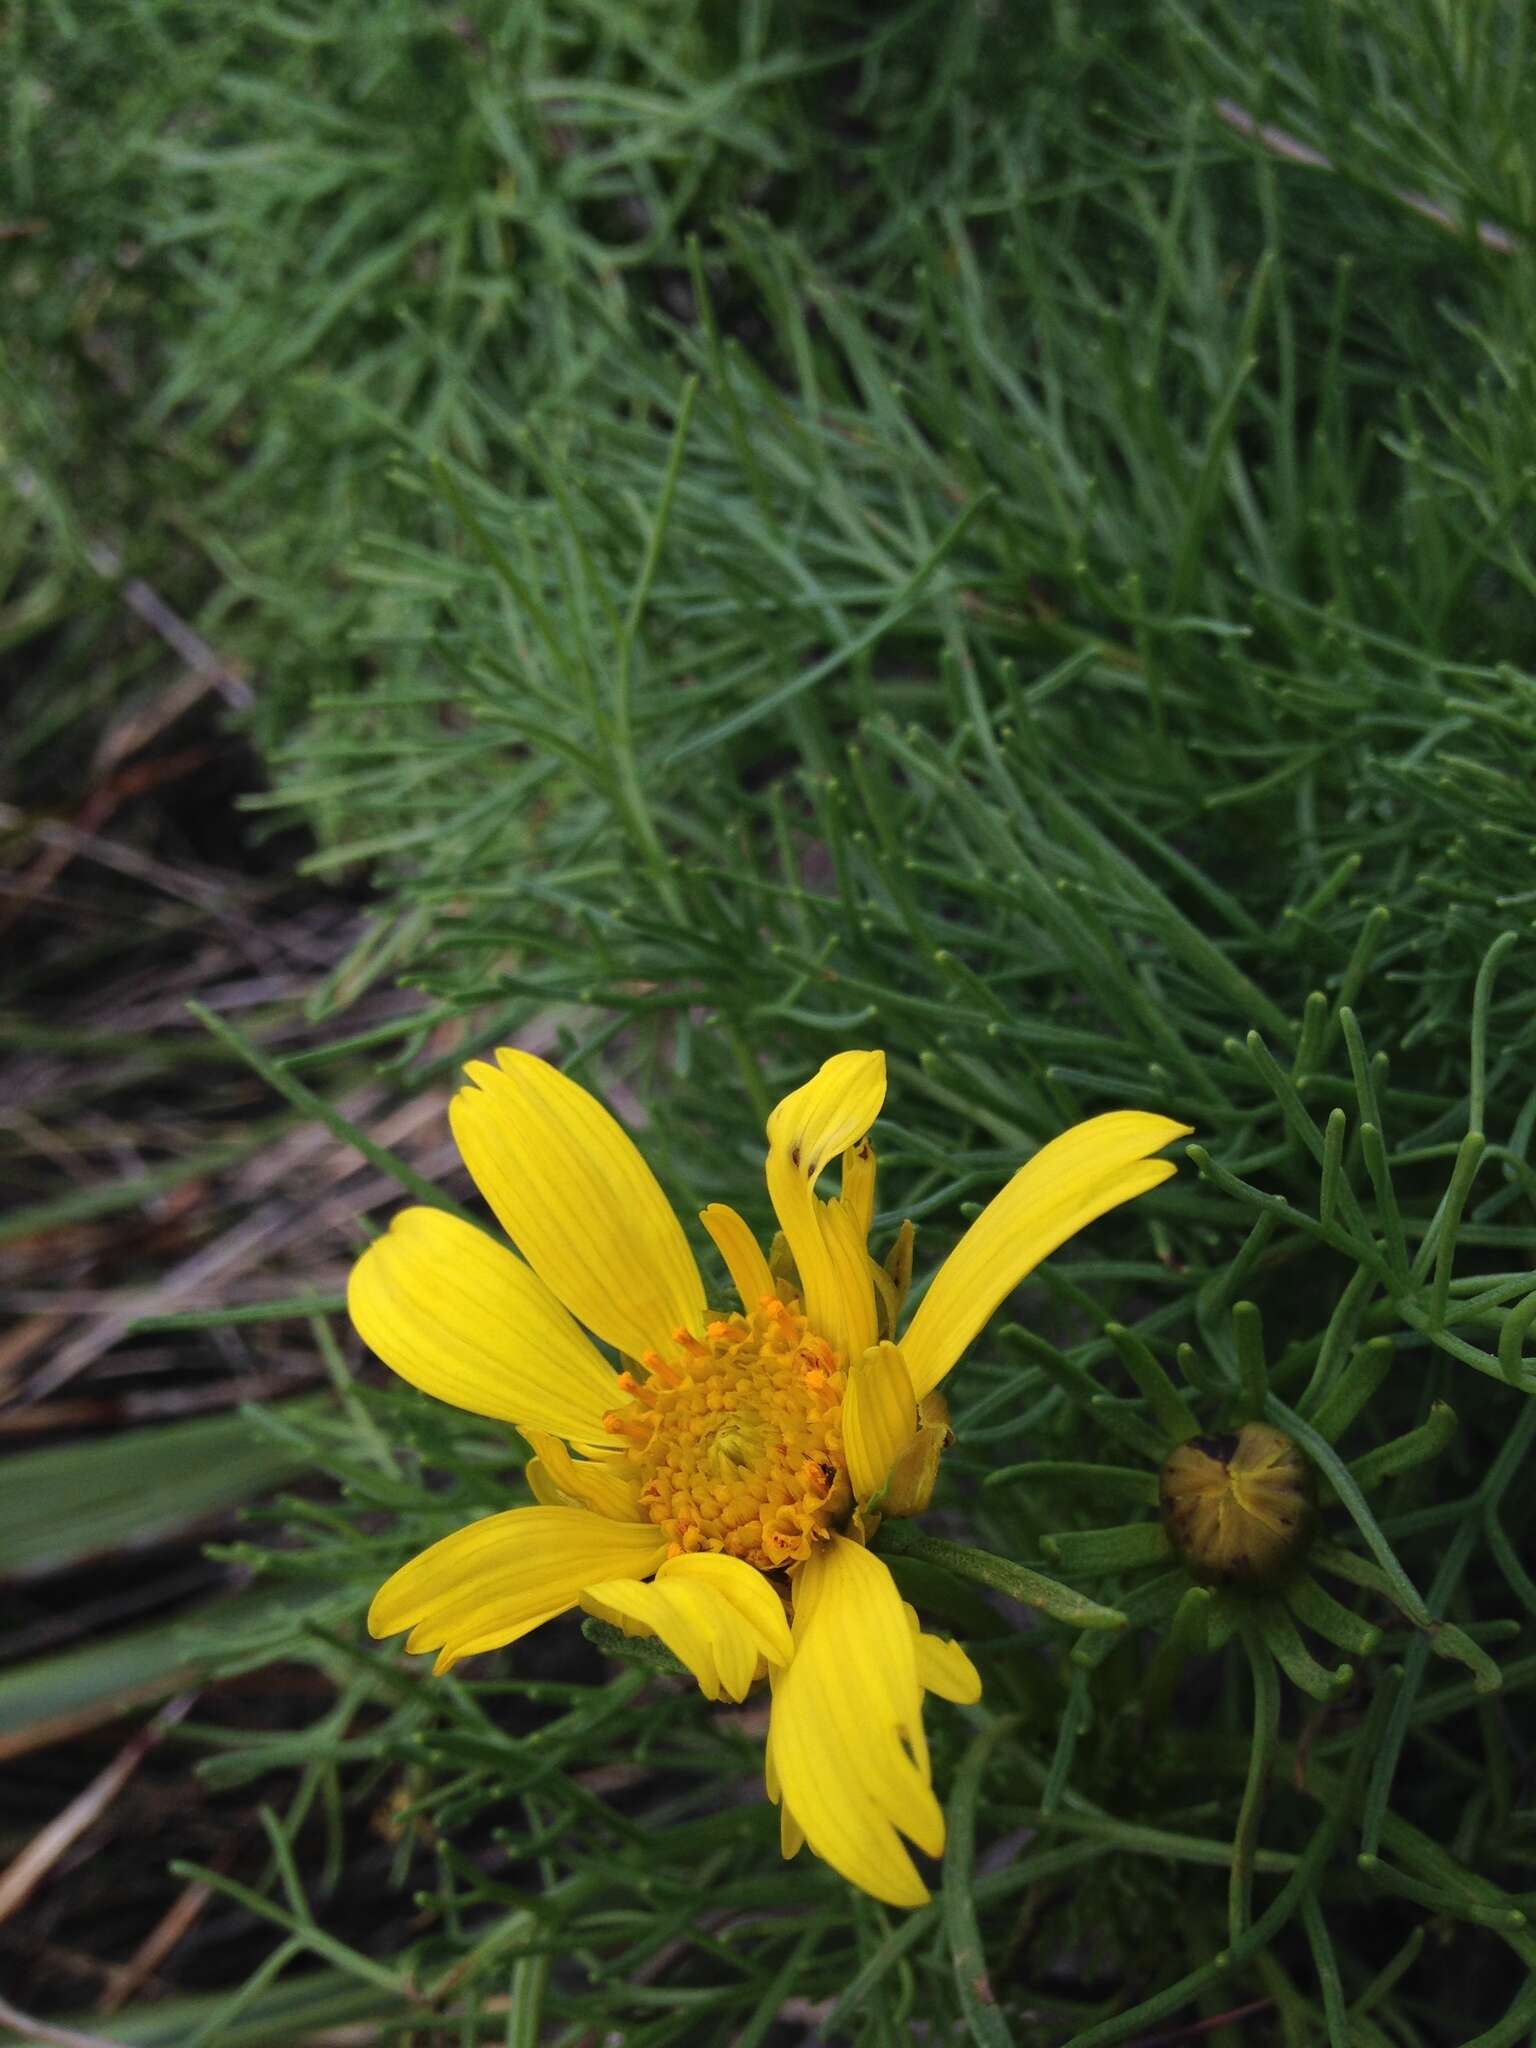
[999, 534]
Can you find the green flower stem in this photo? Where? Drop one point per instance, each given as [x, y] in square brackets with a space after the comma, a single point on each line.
[1261, 1756]
[1001, 1575]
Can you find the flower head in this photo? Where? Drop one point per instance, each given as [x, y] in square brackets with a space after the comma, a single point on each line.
[717, 1488]
[1239, 1509]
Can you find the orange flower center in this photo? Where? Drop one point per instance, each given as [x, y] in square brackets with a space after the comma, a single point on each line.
[738, 1439]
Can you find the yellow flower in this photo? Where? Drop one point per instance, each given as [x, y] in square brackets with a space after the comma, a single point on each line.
[717, 1491]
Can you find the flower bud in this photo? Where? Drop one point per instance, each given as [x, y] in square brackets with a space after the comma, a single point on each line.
[1239, 1509]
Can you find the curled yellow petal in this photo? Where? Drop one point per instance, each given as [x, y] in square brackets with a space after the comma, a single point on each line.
[886, 1306]
[543, 1487]
[898, 1266]
[879, 1418]
[848, 1755]
[1077, 1177]
[910, 1482]
[743, 1587]
[492, 1582]
[457, 1315]
[810, 1127]
[608, 1486]
[742, 1254]
[710, 1614]
[571, 1190]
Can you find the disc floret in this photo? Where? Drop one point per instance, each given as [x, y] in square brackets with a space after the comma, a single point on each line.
[737, 1439]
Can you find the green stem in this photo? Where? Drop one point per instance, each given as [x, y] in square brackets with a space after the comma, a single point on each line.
[1261, 1756]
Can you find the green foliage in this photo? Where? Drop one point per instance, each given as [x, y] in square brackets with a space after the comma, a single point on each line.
[1006, 538]
[79, 1501]
[263, 254]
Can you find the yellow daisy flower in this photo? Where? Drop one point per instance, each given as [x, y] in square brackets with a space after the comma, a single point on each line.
[717, 1491]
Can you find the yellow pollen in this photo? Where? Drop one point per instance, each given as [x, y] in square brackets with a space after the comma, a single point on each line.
[738, 1440]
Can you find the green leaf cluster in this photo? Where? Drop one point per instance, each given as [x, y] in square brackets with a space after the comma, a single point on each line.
[1004, 535]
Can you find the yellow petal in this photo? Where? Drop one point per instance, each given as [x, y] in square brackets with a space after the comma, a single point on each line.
[543, 1488]
[574, 1195]
[898, 1266]
[674, 1616]
[887, 1308]
[858, 1189]
[943, 1667]
[858, 1321]
[717, 1627]
[609, 1486]
[593, 1603]
[791, 1834]
[910, 1482]
[1077, 1177]
[457, 1315]
[494, 1581]
[741, 1252]
[846, 1726]
[879, 1418]
[745, 1589]
[832, 1112]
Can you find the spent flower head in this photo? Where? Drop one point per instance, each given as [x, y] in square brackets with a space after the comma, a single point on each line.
[716, 1488]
